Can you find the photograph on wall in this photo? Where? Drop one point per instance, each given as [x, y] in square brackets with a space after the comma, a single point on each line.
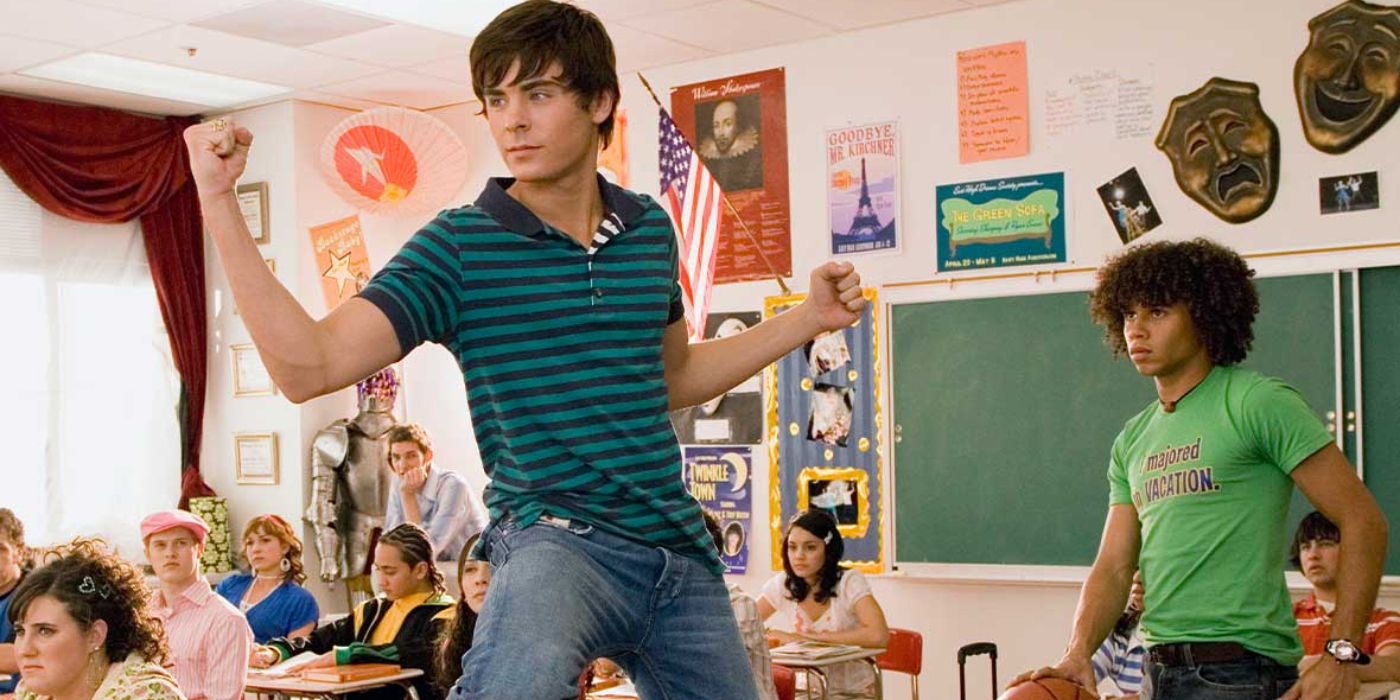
[735, 418]
[825, 447]
[862, 168]
[1129, 206]
[738, 126]
[1001, 223]
[1346, 193]
[721, 479]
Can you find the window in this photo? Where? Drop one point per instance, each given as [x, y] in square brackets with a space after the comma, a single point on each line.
[91, 407]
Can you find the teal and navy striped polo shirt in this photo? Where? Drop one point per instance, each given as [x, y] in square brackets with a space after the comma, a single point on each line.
[561, 353]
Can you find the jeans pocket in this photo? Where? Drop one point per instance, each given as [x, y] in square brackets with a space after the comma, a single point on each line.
[1231, 680]
[497, 547]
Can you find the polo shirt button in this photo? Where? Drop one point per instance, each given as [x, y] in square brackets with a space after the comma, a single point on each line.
[598, 292]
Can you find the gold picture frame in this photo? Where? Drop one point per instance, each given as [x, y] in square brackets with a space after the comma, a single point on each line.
[847, 475]
[252, 202]
[255, 458]
[250, 377]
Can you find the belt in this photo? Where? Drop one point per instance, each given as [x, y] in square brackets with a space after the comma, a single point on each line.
[1195, 653]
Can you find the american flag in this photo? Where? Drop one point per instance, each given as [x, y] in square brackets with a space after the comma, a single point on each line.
[691, 196]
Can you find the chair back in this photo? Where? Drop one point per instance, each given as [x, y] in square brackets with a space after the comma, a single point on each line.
[905, 653]
[785, 681]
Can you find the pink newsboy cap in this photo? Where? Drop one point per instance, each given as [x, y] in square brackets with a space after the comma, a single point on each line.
[163, 520]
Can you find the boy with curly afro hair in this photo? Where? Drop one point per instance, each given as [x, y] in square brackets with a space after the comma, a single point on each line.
[1199, 487]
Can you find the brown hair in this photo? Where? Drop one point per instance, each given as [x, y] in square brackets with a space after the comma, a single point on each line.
[410, 432]
[92, 584]
[414, 546]
[12, 529]
[276, 526]
[539, 33]
[457, 636]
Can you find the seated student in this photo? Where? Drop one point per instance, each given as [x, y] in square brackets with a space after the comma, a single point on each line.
[438, 500]
[1118, 662]
[473, 578]
[271, 595]
[1315, 553]
[750, 626]
[209, 639]
[402, 627]
[13, 563]
[83, 630]
[827, 602]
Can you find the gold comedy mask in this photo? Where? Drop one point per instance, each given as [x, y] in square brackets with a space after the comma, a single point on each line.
[1224, 149]
[1347, 80]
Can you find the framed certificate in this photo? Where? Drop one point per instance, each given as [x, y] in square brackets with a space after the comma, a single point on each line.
[250, 377]
[252, 201]
[255, 458]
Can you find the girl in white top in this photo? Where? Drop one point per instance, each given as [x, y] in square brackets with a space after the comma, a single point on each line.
[827, 603]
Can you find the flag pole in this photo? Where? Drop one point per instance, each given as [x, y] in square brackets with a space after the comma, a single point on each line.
[744, 226]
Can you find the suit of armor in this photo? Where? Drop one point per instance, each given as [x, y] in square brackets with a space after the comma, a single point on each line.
[350, 481]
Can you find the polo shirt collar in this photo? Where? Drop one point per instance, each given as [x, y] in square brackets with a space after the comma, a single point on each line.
[495, 201]
[197, 593]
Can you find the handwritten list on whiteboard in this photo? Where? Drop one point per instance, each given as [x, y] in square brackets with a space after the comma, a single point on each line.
[993, 105]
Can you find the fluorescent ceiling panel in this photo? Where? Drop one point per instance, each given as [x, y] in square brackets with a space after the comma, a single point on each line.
[155, 79]
[456, 16]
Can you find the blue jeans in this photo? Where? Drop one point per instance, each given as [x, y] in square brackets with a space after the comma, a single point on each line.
[1255, 677]
[564, 593]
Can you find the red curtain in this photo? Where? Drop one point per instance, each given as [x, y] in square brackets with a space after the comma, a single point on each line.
[105, 166]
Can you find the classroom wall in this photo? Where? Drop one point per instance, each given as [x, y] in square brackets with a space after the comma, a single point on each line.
[905, 72]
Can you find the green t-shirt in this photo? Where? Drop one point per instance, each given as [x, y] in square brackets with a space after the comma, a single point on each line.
[1211, 485]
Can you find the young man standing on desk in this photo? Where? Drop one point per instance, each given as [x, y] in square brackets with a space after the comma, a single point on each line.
[558, 294]
[1199, 486]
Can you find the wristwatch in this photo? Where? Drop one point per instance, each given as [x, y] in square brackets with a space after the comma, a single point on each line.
[1345, 652]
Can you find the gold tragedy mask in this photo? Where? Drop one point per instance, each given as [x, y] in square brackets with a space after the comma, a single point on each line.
[1347, 80]
[1224, 149]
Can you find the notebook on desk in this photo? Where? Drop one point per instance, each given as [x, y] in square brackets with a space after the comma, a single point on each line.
[812, 650]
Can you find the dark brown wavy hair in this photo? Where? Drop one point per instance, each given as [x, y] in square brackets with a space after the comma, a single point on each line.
[414, 546]
[276, 526]
[94, 584]
[1213, 282]
[457, 636]
[822, 526]
[539, 33]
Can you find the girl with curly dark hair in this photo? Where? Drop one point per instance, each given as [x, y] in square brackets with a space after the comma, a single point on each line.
[83, 630]
[826, 601]
[401, 626]
[1199, 486]
[271, 594]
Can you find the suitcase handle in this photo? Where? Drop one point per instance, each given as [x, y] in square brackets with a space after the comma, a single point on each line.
[977, 649]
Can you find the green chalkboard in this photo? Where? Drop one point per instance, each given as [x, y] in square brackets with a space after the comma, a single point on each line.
[1005, 409]
[1380, 396]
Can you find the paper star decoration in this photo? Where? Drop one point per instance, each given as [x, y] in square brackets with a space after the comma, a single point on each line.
[340, 272]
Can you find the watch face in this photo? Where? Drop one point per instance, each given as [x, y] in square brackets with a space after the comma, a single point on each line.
[1343, 650]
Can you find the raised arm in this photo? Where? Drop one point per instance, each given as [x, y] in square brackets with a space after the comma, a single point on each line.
[1102, 599]
[698, 372]
[305, 357]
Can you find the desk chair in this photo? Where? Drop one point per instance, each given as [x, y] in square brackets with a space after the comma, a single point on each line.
[905, 654]
[785, 681]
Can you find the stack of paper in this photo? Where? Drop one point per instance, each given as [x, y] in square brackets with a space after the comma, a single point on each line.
[813, 650]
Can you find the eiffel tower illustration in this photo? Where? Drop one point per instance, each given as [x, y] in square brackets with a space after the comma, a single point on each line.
[866, 221]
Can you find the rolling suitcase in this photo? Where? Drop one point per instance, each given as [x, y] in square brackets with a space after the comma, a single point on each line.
[975, 649]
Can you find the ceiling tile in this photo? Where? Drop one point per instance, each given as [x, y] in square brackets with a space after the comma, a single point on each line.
[616, 10]
[403, 88]
[396, 46]
[291, 22]
[79, 94]
[846, 14]
[318, 97]
[58, 21]
[18, 52]
[637, 49]
[730, 26]
[456, 69]
[241, 57]
[173, 10]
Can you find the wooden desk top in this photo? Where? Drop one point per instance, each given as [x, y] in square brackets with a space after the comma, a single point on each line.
[292, 685]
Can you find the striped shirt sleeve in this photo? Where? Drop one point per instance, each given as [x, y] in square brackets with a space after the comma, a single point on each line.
[418, 288]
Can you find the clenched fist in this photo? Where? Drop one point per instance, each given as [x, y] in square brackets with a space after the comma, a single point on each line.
[218, 154]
